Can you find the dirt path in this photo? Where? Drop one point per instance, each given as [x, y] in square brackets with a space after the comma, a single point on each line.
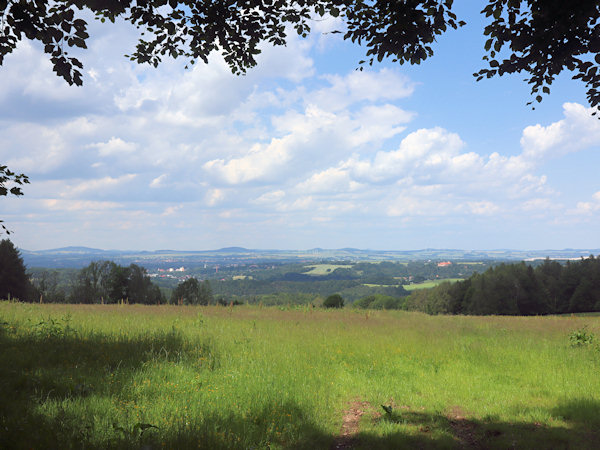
[465, 431]
[347, 438]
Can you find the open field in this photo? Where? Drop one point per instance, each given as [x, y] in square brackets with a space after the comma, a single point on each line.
[324, 269]
[77, 376]
[429, 284]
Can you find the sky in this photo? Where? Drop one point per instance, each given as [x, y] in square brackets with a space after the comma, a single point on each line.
[303, 151]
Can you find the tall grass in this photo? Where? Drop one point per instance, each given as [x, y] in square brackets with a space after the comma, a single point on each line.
[250, 377]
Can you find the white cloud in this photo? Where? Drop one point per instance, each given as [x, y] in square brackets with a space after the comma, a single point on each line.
[215, 196]
[158, 182]
[578, 130]
[541, 204]
[587, 208]
[171, 210]
[97, 185]
[270, 197]
[115, 146]
[378, 123]
[31, 75]
[284, 146]
[260, 162]
[484, 208]
[81, 206]
[358, 86]
[330, 181]
[303, 203]
[419, 153]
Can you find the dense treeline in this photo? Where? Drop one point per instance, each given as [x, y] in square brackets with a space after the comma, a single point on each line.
[299, 292]
[379, 301]
[99, 282]
[517, 289]
[108, 282]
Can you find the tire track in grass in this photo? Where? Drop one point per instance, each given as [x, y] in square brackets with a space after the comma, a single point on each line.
[350, 424]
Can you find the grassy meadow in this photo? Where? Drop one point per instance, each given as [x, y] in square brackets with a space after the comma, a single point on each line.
[429, 284]
[324, 269]
[153, 377]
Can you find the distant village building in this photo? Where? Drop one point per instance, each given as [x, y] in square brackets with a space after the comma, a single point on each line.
[444, 264]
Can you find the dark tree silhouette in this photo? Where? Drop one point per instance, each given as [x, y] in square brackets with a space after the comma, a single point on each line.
[14, 282]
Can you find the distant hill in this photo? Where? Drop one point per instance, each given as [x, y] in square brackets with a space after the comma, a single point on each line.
[233, 250]
[79, 256]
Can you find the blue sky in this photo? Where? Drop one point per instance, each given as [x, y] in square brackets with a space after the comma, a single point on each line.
[304, 151]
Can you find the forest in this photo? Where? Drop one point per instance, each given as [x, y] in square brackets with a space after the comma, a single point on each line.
[517, 289]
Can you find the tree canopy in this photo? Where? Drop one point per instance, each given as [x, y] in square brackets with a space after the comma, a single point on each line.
[540, 38]
[108, 282]
[334, 301]
[192, 292]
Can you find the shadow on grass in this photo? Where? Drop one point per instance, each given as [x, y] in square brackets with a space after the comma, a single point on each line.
[427, 430]
[49, 363]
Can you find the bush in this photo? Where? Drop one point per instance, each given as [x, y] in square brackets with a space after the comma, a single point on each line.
[334, 301]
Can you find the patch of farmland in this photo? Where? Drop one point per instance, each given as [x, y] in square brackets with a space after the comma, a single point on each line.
[324, 269]
[429, 284]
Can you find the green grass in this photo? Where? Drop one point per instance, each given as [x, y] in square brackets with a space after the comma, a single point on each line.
[251, 377]
[324, 269]
[429, 284]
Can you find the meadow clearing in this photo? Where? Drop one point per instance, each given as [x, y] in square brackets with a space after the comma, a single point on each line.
[132, 376]
[324, 269]
[429, 284]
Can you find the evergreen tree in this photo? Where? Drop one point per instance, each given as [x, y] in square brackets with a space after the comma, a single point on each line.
[14, 282]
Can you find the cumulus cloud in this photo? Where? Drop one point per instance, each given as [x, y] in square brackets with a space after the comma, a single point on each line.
[284, 146]
[332, 180]
[589, 207]
[115, 146]
[260, 162]
[359, 86]
[578, 130]
[424, 149]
